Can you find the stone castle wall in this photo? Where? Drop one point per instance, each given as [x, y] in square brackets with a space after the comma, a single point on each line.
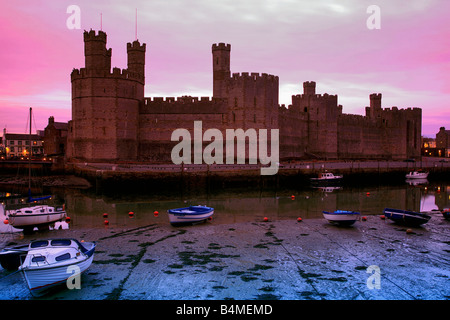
[113, 121]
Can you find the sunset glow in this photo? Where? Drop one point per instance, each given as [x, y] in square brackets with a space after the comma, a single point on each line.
[407, 59]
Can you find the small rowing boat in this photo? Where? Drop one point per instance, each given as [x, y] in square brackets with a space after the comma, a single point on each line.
[411, 218]
[190, 214]
[342, 217]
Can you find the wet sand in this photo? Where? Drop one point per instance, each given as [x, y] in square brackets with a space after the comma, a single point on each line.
[282, 259]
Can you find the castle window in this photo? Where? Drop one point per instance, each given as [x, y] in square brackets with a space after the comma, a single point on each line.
[234, 117]
[254, 118]
[235, 102]
[254, 101]
[306, 109]
[217, 61]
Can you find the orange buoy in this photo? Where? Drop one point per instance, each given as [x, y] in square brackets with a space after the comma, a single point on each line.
[364, 218]
[131, 214]
[209, 218]
[299, 219]
[67, 219]
[106, 222]
[383, 217]
[266, 219]
[156, 213]
[292, 197]
[367, 193]
[6, 221]
[105, 215]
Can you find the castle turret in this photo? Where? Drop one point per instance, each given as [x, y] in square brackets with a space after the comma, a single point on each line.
[375, 105]
[221, 69]
[136, 60]
[309, 88]
[97, 57]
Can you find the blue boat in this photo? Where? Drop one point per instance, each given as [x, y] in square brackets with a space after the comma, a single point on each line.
[405, 217]
[342, 217]
[190, 214]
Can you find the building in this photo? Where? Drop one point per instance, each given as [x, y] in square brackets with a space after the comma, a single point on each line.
[55, 138]
[17, 145]
[443, 142]
[113, 121]
[429, 147]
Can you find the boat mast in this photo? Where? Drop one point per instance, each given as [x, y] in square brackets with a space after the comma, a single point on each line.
[29, 160]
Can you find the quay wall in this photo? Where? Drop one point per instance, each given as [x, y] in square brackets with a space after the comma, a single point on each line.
[103, 175]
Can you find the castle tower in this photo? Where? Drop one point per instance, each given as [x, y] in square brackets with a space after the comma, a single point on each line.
[105, 104]
[136, 60]
[309, 88]
[221, 69]
[375, 105]
[97, 57]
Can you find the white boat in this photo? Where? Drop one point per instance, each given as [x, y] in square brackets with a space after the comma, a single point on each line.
[36, 216]
[190, 214]
[416, 175]
[342, 217]
[51, 262]
[326, 177]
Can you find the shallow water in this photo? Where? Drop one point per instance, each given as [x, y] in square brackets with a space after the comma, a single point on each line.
[86, 209]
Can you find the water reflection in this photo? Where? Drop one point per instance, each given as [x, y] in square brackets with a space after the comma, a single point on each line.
[86, 210]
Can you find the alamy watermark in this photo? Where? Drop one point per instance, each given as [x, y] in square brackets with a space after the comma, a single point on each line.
[74, 20]
[374, 20]
[256, 142]
[74, 281]
[374, 280]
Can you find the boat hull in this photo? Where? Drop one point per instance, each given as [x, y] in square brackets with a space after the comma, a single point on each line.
[189, 215]
[42, 270]
[345, 218]
[39, 280]
[22, 221]
[406, 217]
[12, 258]
[417, 175]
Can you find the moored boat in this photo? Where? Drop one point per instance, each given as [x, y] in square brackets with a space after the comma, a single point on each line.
[12, 258]
[52, 262]
[190, 214]
[35, 216]
[326, 177]
[342, 217]
[406, 217]
[417, 175]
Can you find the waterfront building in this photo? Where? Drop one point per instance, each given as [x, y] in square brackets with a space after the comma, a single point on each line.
[443, 142]
[17, 145]
[55, 137]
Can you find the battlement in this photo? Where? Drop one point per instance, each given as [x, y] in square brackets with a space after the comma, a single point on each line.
[408, 110]
[92, 36]
[376, 96]
[324, 96]
[182, 99]
[184, 104]
[136, 46]
[254, 76]
[221, 46]
[116, 73]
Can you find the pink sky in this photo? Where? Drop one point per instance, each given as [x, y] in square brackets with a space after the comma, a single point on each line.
[407, 60]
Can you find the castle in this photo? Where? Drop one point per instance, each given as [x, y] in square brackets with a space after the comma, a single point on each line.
[113, 121]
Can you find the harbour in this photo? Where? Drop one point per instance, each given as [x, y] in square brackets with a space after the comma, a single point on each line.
[254, 247]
